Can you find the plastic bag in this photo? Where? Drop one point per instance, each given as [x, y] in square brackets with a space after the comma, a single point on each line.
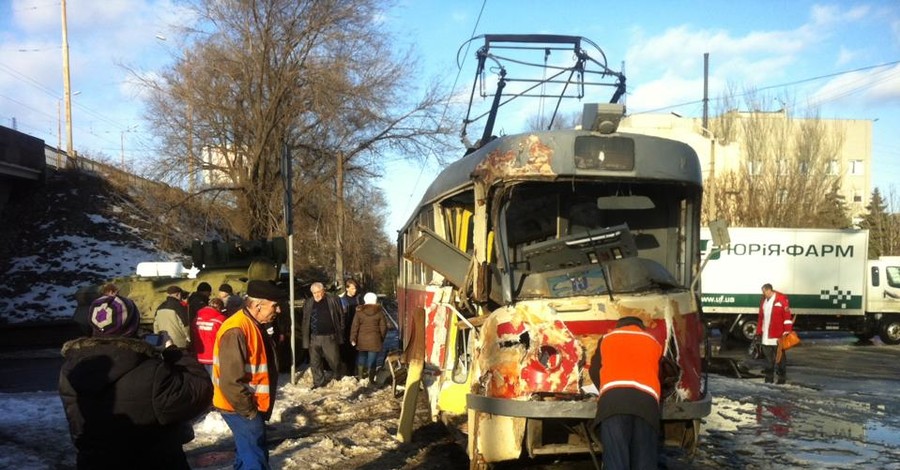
[790, 340]
[755, 350]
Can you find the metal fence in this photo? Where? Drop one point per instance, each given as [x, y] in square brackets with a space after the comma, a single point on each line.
[58, 160]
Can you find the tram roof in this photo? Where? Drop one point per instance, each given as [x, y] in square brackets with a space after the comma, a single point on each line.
[656, 158]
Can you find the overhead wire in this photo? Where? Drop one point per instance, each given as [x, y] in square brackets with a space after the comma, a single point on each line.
[446, 105]
[770, 87]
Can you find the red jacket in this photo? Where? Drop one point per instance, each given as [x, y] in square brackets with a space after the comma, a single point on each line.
[203, 333]
[782, 320]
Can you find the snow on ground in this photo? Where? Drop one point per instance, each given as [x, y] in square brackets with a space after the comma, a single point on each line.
[81, 257]
[66, 238]
[348, 425]
[344, 423]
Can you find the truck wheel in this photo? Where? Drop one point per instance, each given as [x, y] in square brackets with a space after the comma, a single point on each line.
[747, 330]
[890, 330]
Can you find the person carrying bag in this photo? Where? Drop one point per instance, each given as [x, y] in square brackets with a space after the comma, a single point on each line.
[774, 323]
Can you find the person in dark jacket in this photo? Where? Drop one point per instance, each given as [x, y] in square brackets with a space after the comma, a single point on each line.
[349, 301]
[367, 335]
[626, 371]
[322, 332]
[198, 299]
[233, 302]
[128, 403]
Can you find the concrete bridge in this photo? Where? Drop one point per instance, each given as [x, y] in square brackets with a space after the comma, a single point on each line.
[22, 162]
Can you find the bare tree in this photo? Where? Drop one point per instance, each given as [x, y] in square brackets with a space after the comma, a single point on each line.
[786, 178]
[320, 76]
[539, 122]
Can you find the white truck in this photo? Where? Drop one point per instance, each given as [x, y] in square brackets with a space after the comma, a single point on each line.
[830, 283]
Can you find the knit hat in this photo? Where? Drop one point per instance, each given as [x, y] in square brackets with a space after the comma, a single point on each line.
[204, 287]
[370, 298]
[265, 290]
[114, 316]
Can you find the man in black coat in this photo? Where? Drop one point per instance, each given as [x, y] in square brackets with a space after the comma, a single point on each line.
[322, 332]
[129, 403]
[198, 300]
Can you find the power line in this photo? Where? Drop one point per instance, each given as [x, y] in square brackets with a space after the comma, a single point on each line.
[32, 81]
[447, 104]
[781, 85]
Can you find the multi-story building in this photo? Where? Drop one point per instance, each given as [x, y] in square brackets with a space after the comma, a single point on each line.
[850, 151]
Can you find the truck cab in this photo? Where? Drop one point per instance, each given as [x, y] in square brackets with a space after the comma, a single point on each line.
[883, 300]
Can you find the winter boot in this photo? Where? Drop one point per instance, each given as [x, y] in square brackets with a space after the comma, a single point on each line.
[781, 380]
[360, 372]
[372, 377]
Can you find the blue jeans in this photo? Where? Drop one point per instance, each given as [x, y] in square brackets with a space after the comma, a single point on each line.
[367, 359]
[251, 452]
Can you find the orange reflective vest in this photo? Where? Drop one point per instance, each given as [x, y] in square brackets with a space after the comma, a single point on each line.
[630, 358]
[256, 368]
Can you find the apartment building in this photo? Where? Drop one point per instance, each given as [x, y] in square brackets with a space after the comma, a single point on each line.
[852, 141]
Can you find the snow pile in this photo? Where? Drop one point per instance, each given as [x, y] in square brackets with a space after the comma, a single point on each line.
[74, 231]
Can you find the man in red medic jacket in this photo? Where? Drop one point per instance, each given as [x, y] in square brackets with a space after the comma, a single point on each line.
[773, 323]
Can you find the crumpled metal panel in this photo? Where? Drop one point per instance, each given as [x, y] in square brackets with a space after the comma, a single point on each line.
[524, 350]
[532, 157]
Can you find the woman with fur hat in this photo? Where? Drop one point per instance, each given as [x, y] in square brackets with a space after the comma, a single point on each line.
[367, 335]
[128, 403]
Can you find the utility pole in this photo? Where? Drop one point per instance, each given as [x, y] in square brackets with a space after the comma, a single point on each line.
[58, 132]
[190, 149]
[67, 90]
[339, 239]
[706, 90]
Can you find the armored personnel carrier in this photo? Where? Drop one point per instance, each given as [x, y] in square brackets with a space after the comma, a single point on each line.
[215, 262]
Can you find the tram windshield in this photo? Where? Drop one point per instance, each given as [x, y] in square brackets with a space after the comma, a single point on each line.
[565, 239]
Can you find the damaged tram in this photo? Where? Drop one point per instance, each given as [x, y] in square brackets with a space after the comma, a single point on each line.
[522, 255]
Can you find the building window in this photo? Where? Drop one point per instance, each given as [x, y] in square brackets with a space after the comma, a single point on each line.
[856, 167]
[754, 167]
[804, 167]
[857, 196]
[782, 166]
[782, 196]
[834, 168]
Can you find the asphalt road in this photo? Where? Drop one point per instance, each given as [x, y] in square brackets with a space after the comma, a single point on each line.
[30, 370]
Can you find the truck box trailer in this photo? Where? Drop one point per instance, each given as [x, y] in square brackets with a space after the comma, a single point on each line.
[830, 283]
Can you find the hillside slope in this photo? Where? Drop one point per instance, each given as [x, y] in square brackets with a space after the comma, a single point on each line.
[75, 230]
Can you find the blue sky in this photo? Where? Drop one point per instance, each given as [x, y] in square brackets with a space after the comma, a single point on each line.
[758, 44]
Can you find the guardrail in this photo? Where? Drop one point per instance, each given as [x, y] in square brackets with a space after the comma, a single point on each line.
[57, 159]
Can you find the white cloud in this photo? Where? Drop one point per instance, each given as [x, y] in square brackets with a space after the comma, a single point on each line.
[869, 87]
[895, 28]
[828, 15]
[757, 58]
[846, 56]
